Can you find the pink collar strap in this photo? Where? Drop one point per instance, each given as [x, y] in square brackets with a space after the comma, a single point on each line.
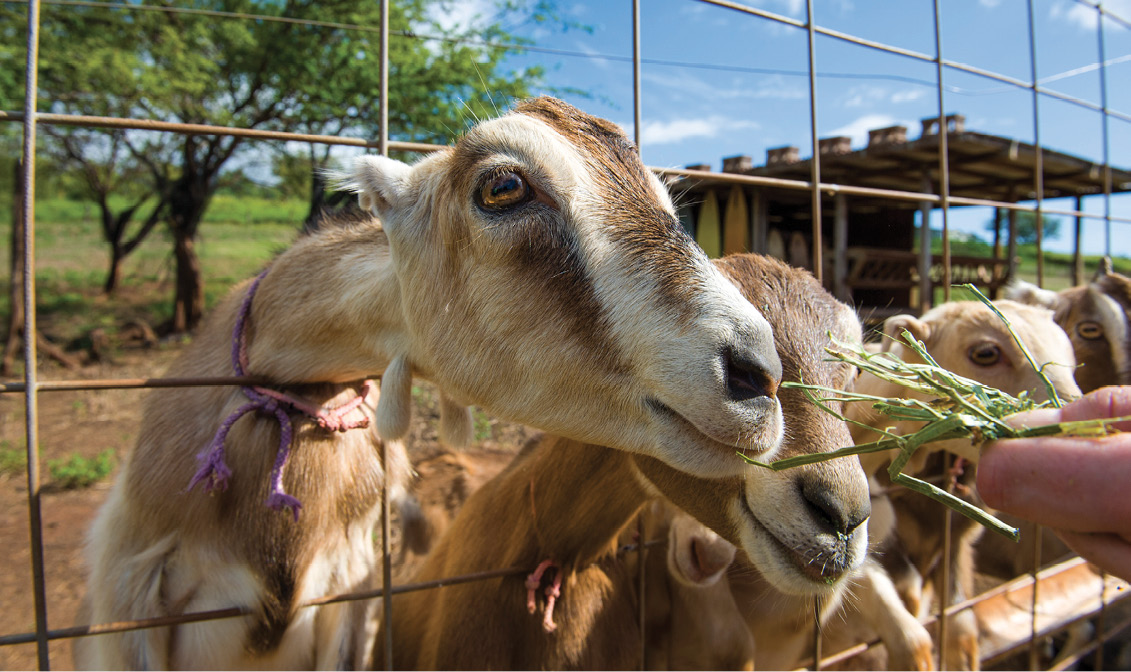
[214, 473]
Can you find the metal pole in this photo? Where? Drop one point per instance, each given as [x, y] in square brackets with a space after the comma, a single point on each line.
[386, 508]
[815, 164]
[1106, 135]
[817, 633]
[383, 142]
[947, 560]
[636, 115]
[1038, 166]
[637, 119]
[27, 176]
[1034, 654]
[944, 169]
[1077, 250]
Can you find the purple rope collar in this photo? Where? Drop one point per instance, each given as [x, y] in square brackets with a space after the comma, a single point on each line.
[214, 473]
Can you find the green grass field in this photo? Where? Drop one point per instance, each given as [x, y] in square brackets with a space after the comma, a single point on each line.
[239, 235]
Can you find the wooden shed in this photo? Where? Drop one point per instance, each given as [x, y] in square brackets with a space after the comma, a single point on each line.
[868, 240]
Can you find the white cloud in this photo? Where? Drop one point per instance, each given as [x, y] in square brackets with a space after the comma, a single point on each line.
[678, 130]
[871, 96]
[989, 4]
[595, 57]
[908, 95]
[776, 87]
[863, 95]
[457, 16]
[693, 87]
[1085, 16]
[793, 8]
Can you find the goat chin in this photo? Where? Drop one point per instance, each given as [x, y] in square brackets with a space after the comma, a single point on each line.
[792, 573]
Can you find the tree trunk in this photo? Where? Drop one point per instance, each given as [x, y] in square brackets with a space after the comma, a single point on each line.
[15, 275]
[188, 301]
[317, 199]
[114, 273]
[121, 248]
[16, 316]
[112, 234]
[188, 199]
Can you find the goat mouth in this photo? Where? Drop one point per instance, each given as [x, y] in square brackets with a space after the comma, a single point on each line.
[673, 418]
[808, 563]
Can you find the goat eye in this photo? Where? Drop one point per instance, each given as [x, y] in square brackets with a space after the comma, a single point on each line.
[504, 190]
[985, 354]
[1090, 330]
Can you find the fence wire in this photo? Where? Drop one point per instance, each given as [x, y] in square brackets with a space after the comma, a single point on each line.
[31, 386]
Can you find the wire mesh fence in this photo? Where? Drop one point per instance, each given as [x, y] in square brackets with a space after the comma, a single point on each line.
[821, 192]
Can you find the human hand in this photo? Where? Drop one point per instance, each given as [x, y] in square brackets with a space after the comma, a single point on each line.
[1077, 486]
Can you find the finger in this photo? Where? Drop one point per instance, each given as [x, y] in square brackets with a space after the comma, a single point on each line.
[1106, 402]
[1043, 416]
[1110, 552]
[1071, 483]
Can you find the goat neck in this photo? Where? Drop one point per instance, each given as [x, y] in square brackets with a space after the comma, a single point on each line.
[559, 500]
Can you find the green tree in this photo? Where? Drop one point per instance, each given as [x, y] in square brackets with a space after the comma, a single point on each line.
[106, 173]
[1026, 226]
[258, 74]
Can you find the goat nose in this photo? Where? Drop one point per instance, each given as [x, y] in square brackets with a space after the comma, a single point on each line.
[749, 376]
[834, 513]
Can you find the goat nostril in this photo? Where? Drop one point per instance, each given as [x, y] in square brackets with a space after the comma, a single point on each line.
[747, 379]
[838, 516]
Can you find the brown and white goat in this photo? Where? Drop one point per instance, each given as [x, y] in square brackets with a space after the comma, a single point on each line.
[965, 337]
[885, 597]
[1095, 317]
[536, 268]
[567, 501]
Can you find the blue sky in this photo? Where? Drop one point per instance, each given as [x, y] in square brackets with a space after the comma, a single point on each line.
[717, 82]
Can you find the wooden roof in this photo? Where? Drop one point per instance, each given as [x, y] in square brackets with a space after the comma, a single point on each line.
[981, 166]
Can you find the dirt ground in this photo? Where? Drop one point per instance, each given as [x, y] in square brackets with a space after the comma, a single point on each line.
[89, 422]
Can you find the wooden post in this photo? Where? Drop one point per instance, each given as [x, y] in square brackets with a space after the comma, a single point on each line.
[1013, 243]
[1077, 254]
[840, 248]
[926, 293]
[759, 221]
[997, 233]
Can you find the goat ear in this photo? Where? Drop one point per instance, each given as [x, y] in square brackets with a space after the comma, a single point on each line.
[894, 326]
[394, 407]
[381, 183]
[1028, 293]
[1104, 269]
